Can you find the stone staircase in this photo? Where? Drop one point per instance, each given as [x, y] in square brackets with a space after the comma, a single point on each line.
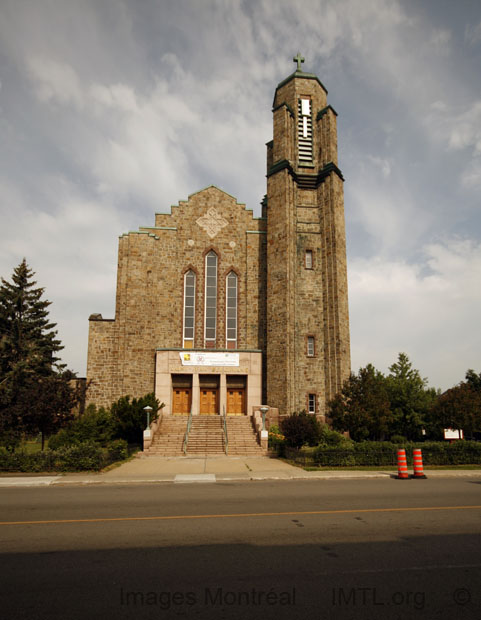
[206, 437]
[241, 436]
[169, 439]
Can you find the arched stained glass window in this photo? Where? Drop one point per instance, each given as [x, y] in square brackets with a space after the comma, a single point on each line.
[210, 299]
[231, 310]
[189, 310]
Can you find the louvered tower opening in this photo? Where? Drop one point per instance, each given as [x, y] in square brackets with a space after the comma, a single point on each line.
[304, 130]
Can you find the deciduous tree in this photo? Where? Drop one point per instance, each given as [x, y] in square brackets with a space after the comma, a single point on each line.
[458, 408]
[362, 406]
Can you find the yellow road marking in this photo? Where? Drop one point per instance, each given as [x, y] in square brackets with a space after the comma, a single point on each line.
[240, 515]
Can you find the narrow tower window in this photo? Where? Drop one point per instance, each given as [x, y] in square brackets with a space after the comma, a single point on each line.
[189, 309]
[210, 299]
[304, 130]
[311, 346]
[312, 403]
[308, 259]
[231, 310]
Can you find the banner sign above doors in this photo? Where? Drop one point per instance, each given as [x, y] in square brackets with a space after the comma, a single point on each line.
[209, 359]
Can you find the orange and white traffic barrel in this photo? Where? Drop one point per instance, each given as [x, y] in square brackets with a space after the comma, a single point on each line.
[418, 463]
[402, 465]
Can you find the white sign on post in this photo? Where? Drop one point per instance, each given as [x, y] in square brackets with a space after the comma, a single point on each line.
[453, 433]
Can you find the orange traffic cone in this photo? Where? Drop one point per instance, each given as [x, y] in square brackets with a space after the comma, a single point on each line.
[402, 465]
[418, 463]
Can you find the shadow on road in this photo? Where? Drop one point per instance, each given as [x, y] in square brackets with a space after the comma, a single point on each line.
[412, 577]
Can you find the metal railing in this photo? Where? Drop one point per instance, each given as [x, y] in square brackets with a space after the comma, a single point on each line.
[186, 437]
[226, 438]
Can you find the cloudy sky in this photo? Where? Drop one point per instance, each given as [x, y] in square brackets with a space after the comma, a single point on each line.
[112, 110]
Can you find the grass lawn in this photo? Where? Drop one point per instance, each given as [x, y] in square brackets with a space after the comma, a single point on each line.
[31, 446]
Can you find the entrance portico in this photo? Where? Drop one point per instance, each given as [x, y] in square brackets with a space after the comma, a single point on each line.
[208, 382]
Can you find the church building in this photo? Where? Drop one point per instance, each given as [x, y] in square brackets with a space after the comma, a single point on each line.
[219, 311]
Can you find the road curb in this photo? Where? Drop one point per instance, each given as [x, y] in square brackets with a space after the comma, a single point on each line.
[252, 476]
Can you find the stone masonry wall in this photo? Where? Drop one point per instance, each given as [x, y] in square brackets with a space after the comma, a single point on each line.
[150, 289]
[305, 302]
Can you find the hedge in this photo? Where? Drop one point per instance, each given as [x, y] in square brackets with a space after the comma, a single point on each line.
[384, 454]
[86, 456]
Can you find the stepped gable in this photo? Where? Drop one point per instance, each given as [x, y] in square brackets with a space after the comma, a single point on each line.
[184, 216]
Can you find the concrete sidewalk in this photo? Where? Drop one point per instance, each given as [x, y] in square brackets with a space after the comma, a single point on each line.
[182, 469]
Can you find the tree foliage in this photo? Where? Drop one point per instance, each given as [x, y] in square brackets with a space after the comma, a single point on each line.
[48, 404]
[125, 419]
[372, 406]
[409, 399]
[28, 340]
[94, 426]
[473, 380]
[459, 407]
[35, 392]
[300, 429]
[362, 406]
[129, 418]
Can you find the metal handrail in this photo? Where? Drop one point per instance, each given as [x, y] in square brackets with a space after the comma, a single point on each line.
[186, 437]
[225, 434]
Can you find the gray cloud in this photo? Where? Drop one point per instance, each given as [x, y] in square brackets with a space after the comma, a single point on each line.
[111, 111]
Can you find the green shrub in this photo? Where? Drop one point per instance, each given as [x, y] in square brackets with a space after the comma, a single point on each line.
[300, 429]
[384, 454]
[333, 456]
[456, 453]
[94, 426]
[23, 462]
[82, 457]
[118, 450]
[398, 439]
[129, 418]
[86, 456]
[330, 437]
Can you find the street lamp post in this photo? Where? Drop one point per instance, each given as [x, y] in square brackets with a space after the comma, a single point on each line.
[147, 410]
[264, 410]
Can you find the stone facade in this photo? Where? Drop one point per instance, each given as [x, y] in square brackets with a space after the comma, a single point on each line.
[290, 267]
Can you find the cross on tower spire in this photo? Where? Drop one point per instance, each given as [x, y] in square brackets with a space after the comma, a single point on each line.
[299, 59]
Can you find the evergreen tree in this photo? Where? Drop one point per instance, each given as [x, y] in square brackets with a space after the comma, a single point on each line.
[28, 347]
[28, 342]
[129, 417]
[409, 397]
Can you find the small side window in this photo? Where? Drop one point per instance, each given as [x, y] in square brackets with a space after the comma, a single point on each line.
[308, 259]
[311, 346]
[312, 403]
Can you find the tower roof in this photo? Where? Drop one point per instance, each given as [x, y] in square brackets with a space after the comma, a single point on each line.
[299, 73]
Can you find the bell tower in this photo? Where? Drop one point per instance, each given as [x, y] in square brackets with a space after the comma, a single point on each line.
[308, 350]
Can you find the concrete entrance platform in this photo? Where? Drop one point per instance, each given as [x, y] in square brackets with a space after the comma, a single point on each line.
[165, 469]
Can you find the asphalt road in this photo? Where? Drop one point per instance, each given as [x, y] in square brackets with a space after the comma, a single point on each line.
[360, 549]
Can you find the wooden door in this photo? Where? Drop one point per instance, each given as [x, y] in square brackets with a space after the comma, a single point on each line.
[236, 401]
[208, 401]
[181, 401]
